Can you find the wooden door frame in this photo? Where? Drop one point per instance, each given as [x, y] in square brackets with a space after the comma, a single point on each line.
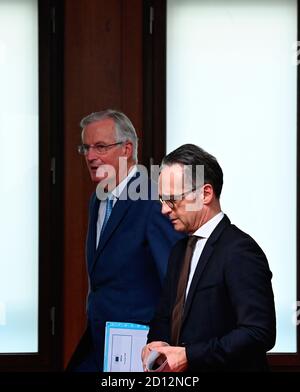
[48, 357]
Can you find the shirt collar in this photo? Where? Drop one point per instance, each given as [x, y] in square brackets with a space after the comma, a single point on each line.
[119, 188]
[206, 230]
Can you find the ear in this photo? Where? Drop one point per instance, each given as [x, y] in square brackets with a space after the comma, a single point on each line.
[207, 194]
[128, 149]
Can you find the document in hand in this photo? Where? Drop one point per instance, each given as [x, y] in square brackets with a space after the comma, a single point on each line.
[123, 347]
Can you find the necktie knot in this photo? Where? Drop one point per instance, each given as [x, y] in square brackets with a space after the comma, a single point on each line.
[192, 241]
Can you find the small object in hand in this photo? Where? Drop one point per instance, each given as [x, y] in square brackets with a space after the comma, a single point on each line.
[156, 362]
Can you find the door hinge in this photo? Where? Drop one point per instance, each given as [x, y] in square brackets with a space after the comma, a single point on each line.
[151, 20]
[53, 169]
[52, 318]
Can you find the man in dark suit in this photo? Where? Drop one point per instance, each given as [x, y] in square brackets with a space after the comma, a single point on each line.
[217, 308]
[128, 241]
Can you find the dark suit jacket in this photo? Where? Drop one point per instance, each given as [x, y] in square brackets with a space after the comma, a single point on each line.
[127, 269]
[229, 316]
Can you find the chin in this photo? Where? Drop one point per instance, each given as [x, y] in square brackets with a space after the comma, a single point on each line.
[95, 179]
[178, 227]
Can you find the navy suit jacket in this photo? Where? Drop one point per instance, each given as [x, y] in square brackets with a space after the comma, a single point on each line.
[127, 269]
[229, 315]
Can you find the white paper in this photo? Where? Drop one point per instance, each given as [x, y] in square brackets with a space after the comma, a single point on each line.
[123, 347]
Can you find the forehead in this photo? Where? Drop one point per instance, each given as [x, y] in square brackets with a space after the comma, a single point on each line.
[102, 130]
[171, 180]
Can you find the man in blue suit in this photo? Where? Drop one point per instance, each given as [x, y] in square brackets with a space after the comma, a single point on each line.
[217, 308]
[128, 241]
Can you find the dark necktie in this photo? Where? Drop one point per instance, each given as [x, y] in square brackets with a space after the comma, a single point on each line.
[181, 289]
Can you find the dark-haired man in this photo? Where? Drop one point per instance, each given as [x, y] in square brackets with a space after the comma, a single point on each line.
[217, 309]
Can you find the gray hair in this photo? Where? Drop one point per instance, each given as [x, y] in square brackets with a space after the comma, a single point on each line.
[123, 126]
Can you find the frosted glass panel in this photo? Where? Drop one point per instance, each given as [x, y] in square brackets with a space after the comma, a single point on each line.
[19, 176]
[231, 88]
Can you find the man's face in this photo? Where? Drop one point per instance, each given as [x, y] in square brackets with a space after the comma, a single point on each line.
[103, 133]
[186, 213]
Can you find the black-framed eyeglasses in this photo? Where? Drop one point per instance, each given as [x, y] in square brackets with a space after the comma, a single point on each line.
[171, 203]
[99, 148]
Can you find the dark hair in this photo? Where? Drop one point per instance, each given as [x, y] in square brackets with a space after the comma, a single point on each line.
[191, 156]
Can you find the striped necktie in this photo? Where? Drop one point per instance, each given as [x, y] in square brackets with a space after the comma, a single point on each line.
[108, 210]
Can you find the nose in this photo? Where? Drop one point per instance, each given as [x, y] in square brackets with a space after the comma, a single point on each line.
[91, 154]
[165, 209]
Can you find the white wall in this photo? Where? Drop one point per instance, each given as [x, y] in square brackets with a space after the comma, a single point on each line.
[231, 89]
[18, 176]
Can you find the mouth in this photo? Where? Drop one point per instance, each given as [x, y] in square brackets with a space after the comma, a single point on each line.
[94, 168]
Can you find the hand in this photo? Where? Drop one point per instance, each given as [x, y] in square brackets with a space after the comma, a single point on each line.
[176, 357]
[148, 348]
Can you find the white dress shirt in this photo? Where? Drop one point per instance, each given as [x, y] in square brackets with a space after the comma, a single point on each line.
[115, 194]
[204, 232]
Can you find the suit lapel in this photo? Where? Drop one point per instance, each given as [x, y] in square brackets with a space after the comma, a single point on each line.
[118, 213]
[204, 258]
[92, 232]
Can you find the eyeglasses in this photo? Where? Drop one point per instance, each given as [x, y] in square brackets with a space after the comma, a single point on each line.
[99, 148]
[171, 203]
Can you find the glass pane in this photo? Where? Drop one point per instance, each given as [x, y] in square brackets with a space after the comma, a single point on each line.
[231, 88]
[19, 176]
